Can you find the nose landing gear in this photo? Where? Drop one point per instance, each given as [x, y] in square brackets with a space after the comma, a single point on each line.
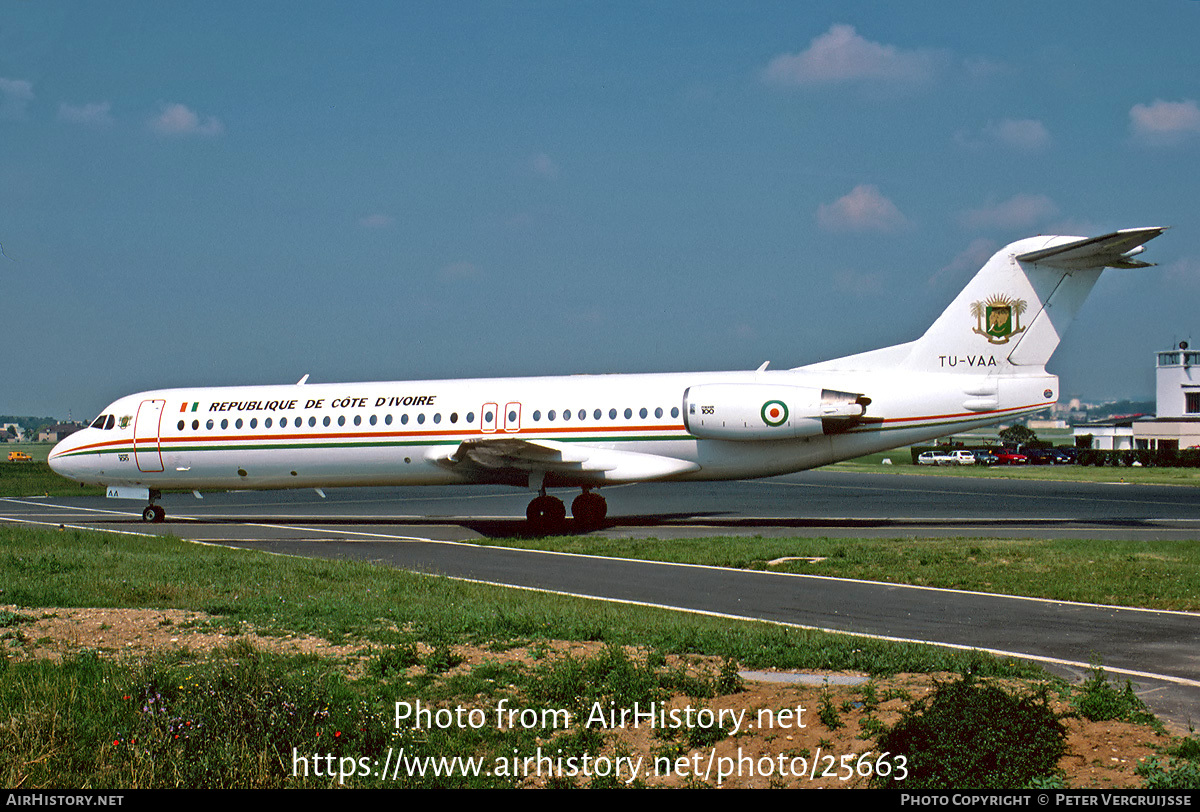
[154, 513]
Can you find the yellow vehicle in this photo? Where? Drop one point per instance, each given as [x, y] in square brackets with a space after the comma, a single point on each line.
[18, 456]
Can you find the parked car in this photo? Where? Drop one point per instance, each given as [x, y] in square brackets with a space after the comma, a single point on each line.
[936, 458]
[1007, 457]
[18, 456]
[1069, 454]
[1039, 456]
[985, 458]
[963, 456]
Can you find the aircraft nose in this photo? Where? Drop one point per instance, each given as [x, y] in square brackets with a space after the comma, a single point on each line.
[60, 459]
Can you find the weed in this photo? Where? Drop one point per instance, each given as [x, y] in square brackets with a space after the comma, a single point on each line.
[870, 695]
[1188, 748]
[871, 726]
[730, 681]
[442, 659]
[971, 735]
[8, 618]
[394, 660]
[1099, 701]
[827, 713]
[701, 736]
[1174, 774]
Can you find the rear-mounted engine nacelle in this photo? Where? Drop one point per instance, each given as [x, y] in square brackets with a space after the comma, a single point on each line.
[761, 411]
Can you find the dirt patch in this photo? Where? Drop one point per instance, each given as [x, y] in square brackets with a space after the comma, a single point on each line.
[781, 719]
[55, 633]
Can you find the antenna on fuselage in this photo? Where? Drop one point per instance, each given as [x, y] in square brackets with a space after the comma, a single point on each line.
[302, 380]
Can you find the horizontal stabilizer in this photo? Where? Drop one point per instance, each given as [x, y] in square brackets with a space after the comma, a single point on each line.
[1113, 250]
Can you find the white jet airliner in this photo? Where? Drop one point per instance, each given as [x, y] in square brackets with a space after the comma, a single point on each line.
[982, 362]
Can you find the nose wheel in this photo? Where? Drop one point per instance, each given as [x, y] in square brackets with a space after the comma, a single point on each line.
[154, 513]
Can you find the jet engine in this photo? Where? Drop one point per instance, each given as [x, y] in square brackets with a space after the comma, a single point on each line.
[763, 411]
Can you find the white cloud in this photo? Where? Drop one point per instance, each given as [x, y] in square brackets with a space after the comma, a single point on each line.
[841, 55]
[93, 114]
[375, 221]
[178, 119]
[1021, 133]
[864, 209]
[15, 96]
[1164, 122]
[1019, 211]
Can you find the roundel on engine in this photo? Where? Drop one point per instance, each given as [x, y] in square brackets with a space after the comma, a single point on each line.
[774, 413]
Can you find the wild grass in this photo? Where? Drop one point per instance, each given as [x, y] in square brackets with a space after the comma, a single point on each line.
[345, 600]
[36, 479]
[241, 717]
[1149, 574]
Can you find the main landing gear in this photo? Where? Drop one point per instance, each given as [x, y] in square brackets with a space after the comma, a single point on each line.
[154, 513]
[547, 513]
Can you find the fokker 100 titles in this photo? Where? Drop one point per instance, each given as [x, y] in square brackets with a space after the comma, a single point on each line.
[315, 403]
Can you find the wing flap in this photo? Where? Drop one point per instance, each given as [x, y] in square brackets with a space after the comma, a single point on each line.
[587, 463]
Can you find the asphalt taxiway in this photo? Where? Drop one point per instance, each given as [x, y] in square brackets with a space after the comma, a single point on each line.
[424, 529]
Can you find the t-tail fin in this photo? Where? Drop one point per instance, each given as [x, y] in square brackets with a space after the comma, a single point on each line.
[1017, 308]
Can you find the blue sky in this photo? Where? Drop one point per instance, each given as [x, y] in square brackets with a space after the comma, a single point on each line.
[229, 193]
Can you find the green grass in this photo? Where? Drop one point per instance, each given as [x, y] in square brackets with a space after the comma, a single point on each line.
[235, 718]
[1150, 574]
[36, 479]
[238, 717]
[342, 600]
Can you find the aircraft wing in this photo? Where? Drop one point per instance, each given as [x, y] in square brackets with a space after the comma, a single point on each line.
[496, 455]
[1115, 250]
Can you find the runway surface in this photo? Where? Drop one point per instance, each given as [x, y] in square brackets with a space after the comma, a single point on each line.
[422, 529]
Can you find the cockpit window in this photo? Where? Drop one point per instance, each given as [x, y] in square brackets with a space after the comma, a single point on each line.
[98, 423]
[112, 421]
